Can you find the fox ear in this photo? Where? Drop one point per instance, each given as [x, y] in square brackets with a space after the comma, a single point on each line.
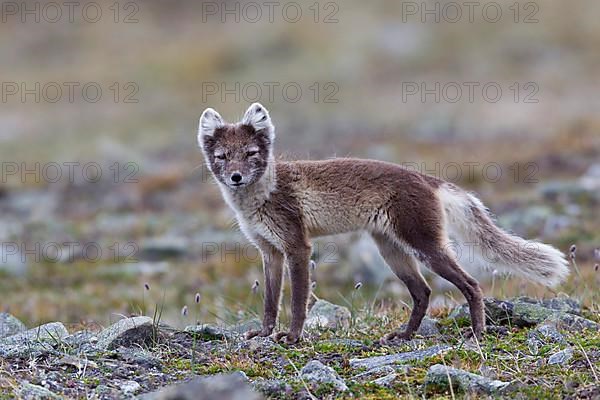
[209, 121]
[258, 117]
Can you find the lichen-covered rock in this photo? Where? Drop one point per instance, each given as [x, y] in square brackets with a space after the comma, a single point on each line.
[29, 391]
[542, 335]
[127, 332]
[216, 387]
[9, 325]
[572, 323]
[398, 358]
[439, 377]
[562, 357]
[316, 374]
[324, 314]
[522, 311]
[34, 341]
[562, 303]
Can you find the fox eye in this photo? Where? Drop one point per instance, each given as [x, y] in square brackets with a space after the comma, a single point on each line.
[251, 153]
[221, 156]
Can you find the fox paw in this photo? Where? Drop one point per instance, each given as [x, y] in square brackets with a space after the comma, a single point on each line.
[286, 337]
[264, 332]
[395, 336]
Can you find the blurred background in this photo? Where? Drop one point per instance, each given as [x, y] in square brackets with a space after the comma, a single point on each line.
[106, 208]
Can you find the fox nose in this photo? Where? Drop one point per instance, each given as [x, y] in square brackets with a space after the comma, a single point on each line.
[236, 177]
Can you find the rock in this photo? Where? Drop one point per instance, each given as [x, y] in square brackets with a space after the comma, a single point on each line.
[81, 338]
[316, 374]
[562, 357]
[127, 332]
[273, 387]
[83, 342]
[9, 325]
[210, 332]
[560, 303]
[375, 373]
[76, 362]
[216, 387]
[437, 377]
[139, 356]
[349, 343]
[29, 391]
[520, 312]
[33, 342]
[324, 314]
[572, 323]
[398, 358]
[543, 334]
[428, 327]
[129, 388]
[107, 392]
[385, 381]
[160, 248]
[257, 344]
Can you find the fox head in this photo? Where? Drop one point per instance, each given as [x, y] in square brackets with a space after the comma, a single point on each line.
[237, 154]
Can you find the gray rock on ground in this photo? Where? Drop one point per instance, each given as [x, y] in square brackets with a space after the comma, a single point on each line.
[29, 391]
[216, 387]
[572, 323]
[398, 358]
[438, 376]
[211, 332]
[127, 332]
[324, 314]
[316, 374]
[544, 334]
[561, 358]
[256, 344]
[526, 312]
[385, 381]
[10, 325]
[33, 342]
[374, 373]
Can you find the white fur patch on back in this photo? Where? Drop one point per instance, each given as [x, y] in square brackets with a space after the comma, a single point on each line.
[258, 117]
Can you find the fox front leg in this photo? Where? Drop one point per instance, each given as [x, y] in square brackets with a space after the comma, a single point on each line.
[273, 270]
[298, 263]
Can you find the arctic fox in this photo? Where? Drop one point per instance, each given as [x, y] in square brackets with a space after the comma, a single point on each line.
[412, 218]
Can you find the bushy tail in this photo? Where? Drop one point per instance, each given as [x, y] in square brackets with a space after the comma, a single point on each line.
[482, 243]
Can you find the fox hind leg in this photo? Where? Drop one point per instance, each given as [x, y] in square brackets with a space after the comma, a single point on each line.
[445, 266]
[406, 267]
